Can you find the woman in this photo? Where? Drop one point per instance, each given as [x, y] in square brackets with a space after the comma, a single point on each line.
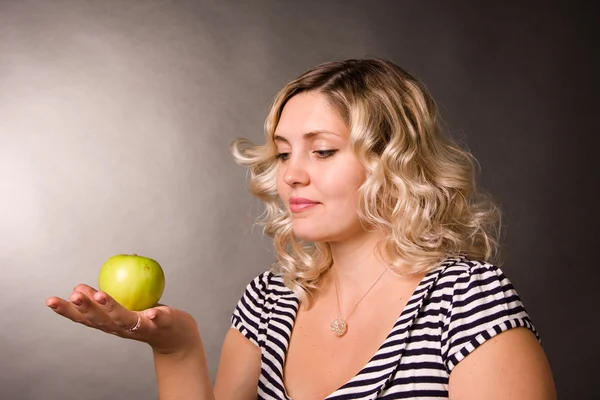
[384, 284]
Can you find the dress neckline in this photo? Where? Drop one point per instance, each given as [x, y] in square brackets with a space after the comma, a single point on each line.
[392, 346]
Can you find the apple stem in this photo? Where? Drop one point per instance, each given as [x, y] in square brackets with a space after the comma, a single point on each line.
[134, 254]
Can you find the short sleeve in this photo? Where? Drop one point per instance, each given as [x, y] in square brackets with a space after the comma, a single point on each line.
[247, 316]
[484, 303]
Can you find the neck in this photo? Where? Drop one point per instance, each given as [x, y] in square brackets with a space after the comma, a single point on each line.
[356, 261]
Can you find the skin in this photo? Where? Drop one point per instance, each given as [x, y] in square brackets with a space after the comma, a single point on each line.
[320, 167]
[306, 151]
[317, 163]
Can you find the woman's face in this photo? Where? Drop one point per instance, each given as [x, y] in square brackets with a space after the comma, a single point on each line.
[318, 174]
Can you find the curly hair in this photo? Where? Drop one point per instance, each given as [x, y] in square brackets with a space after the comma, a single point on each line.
[420, 185]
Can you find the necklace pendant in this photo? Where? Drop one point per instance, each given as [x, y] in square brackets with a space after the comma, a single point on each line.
[339, 327]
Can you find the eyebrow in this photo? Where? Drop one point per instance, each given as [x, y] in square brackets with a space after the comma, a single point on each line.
[307, 135]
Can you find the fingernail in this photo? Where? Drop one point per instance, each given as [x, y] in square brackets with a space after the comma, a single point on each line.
[101, 300]
[52, 306]
[151, 315]
[78, 303]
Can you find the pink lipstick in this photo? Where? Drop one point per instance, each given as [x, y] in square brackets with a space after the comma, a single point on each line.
[299, 204]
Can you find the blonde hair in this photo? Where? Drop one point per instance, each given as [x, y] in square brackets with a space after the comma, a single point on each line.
[420, 186]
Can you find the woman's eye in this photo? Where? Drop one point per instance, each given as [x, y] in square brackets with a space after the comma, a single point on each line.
[320, 154]
[283, 156]
[325, 153]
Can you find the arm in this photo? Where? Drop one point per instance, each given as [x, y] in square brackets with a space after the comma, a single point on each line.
[183, 375]
[179, 358]
[511, 365]
[239, 368]
[240, 364]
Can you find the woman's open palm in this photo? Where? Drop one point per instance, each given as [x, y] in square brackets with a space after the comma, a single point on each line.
[167, 330]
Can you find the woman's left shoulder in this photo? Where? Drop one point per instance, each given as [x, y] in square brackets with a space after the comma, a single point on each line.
[463, 275]
[480, 302]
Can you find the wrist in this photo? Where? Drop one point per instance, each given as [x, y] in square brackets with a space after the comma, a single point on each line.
[183, 374]
[192, 347]
[180, 337]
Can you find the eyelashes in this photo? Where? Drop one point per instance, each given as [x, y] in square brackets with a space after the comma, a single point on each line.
[321, 154]
[325, 153]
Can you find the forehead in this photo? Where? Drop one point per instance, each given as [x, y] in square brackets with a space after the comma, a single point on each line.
[306, 115]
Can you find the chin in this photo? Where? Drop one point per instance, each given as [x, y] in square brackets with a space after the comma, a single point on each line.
[315, 234]
[310, 237]
[323, 233]
[310, 234]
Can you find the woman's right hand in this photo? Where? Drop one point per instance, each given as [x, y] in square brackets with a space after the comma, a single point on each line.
[167, 330]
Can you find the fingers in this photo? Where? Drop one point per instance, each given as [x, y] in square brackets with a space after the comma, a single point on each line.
[83, 309]
[67, 310]
[167, 330]
[85, 289]
[91, 311]
[97, 309]
[160, 316]
[56, 303]
[124, 319]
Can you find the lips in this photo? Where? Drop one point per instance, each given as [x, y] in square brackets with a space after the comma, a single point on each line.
[299, 204]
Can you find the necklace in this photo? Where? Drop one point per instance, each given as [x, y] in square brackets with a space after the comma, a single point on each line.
[339, 326]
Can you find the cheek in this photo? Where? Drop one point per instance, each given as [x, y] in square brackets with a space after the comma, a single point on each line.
[342, 182]
[279, 186]
[279, 183]
[342, 198]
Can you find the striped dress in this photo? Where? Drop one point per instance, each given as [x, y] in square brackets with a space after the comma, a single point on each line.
[454, 309]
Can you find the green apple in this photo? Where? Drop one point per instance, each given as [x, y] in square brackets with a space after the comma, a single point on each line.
[135, 282]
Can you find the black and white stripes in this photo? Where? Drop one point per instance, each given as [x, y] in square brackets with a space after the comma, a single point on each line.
[454, 309]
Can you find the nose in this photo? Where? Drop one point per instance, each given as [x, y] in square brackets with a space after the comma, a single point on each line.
[295, 172]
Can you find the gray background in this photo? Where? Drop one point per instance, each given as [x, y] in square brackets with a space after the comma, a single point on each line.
[115, 122]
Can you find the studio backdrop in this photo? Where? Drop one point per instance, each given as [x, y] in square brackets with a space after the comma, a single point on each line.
[115, 124]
